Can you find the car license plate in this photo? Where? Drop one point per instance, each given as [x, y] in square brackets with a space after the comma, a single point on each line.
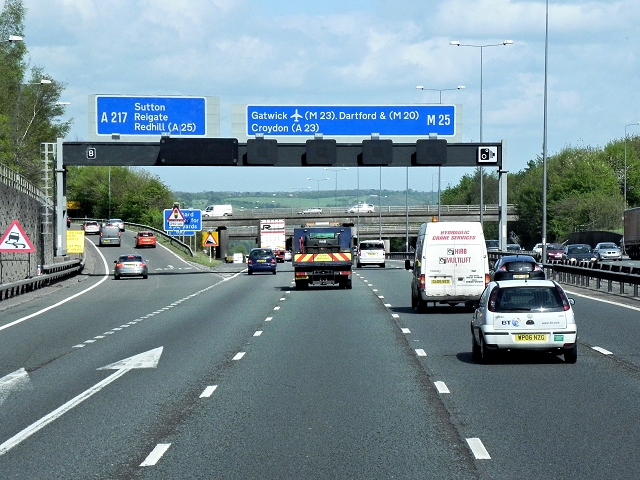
[372, 254]
[521, 275]
[261, 261]
[531, 337]
[440, 281]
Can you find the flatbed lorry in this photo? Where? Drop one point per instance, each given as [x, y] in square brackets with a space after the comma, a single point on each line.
[323, 255]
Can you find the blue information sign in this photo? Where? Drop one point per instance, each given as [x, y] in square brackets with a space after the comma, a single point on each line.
[187, 220]
[403, 120]
[150, 115]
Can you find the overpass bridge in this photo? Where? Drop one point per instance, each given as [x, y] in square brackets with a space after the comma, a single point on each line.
[390, 221]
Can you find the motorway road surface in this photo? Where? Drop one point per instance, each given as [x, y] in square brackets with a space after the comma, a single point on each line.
[199, 373]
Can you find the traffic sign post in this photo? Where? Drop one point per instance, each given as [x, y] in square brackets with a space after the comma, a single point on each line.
[210, 240]
[331, 120]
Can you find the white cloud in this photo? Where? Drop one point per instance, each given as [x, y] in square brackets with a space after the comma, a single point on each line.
[359, 52]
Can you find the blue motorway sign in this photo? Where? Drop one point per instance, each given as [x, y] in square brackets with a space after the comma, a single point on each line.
[181, 233]
[126, 115]
[188, 220]
[402, 120]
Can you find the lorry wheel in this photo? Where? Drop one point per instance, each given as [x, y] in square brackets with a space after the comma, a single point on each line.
[302, 284]
[382, 265]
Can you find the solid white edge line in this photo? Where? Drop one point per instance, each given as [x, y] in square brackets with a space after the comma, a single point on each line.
[155, 455]
[477, 448]
[442, 387]
[208, 391]
[617, 304]
[50, 307]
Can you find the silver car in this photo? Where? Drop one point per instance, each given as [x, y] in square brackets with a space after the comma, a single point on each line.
[607, 251]
[131, 265]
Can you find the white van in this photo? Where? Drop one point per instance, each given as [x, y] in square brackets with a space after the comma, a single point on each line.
[451, 264]
[218, 211]
[371, 252]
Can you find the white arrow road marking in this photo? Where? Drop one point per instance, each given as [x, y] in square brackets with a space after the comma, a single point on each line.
[18, 380]
[143, 360]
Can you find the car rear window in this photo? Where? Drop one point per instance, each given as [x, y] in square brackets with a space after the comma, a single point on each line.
[262, 253]
[528, 298]
[145, 234]
[371, 246]
[519, 266]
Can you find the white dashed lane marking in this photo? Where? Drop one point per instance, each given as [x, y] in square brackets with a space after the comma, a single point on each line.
[208, 391]
[477, 448]
[155, 455]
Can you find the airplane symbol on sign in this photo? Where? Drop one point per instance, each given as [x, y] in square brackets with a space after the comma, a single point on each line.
[296, 116]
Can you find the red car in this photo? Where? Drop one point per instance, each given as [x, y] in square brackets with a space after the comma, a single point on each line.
[145, 239]
[554, 251]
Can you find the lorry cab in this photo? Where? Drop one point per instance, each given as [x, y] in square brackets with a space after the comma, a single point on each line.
[451, 264]
[323, 256]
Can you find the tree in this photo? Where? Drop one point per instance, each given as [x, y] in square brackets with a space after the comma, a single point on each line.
[122, 192]
[28, 108]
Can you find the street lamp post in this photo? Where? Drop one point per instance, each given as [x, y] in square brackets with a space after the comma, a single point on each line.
[459, 87]
[481, 47]
[337, 170]
[625, 160]
[318, 180]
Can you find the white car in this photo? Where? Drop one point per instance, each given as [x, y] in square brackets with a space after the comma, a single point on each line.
[310, 210]
[91, 227]
[362, 208]
[117, 222]
[371, 252]
[524, 315]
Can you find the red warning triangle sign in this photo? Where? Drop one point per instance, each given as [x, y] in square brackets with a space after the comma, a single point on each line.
[15, 240]
[175, 217]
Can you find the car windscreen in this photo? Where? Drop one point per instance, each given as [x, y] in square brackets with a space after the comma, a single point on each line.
[608, 245]
[528, 298]
[579, 249]
[554, 246]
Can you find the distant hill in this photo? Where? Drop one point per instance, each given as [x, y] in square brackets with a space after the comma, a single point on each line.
[325, 199]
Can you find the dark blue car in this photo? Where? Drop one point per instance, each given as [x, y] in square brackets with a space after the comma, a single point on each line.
[262, 260]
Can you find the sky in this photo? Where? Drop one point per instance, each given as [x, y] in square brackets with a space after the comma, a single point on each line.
[354, 52]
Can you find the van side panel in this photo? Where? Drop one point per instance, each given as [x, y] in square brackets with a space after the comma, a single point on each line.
[453, 263]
